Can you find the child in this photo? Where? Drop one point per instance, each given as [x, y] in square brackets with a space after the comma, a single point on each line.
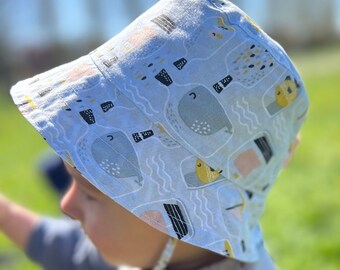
[53, 244]
[174, 131]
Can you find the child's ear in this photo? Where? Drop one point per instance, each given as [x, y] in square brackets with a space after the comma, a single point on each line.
[293, 146]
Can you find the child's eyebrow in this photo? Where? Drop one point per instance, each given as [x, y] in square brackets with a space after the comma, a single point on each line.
[84, 183]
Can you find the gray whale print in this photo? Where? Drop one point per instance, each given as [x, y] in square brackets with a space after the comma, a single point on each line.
[202, 113]
[115, 154]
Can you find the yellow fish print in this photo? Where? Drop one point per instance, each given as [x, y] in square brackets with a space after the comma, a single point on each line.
[205, 173]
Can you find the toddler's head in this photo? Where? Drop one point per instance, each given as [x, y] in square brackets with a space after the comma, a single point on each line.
[184, 119]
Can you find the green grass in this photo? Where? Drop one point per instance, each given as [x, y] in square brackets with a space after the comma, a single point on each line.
[301, 222]
[20, 146]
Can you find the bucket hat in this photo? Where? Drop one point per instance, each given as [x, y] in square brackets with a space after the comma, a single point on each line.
[185, 118]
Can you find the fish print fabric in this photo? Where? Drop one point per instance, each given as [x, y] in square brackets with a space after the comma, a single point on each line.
[185, 118]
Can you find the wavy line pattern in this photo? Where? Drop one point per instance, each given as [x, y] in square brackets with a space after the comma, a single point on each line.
[158, 174]
[280, 129]
[144, 109]
[195, 209]
[144, 99]
[250, 112]
[151, 178]
[212, 218]
[245, 116]
[165, 173]
[240, 120]
[201, 209]
[140, 103]
[252, 125]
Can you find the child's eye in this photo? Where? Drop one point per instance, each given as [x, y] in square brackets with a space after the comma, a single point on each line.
[90, 198]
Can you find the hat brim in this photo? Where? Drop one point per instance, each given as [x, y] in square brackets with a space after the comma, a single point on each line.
[176, 120]
[104, 135]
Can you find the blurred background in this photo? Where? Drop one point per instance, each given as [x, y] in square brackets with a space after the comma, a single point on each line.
[302, 221]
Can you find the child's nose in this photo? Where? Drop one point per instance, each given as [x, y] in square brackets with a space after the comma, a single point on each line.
[71, 201]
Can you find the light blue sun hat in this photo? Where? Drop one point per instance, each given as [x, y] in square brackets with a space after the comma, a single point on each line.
[185, 118]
